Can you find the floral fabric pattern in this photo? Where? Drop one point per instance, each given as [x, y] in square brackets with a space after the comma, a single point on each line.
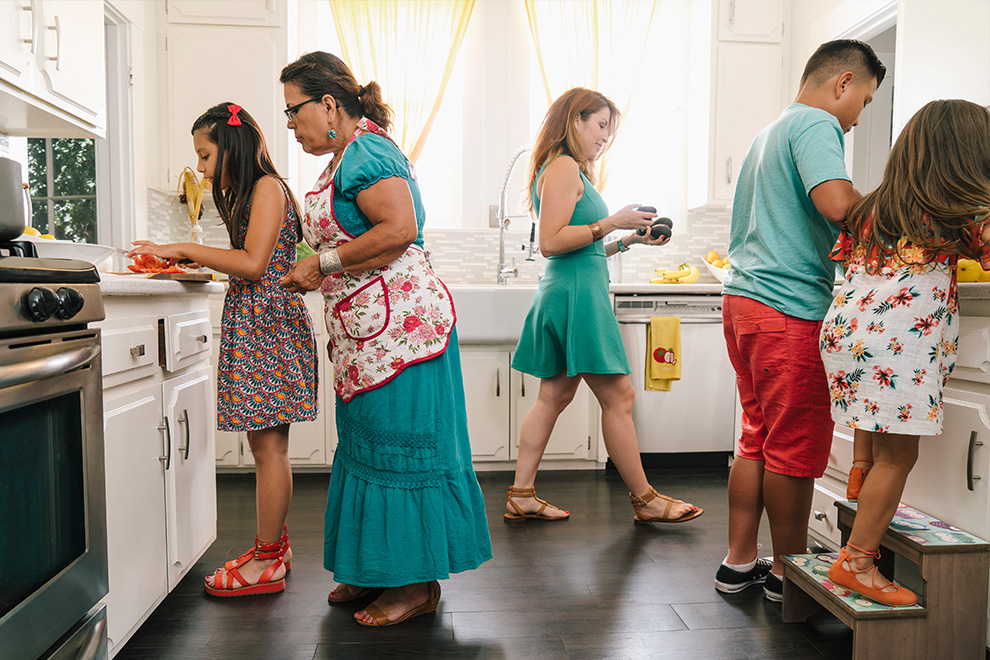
[382, 320]
[889, 339]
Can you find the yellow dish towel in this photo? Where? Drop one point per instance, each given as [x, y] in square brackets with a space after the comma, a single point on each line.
[663, 352]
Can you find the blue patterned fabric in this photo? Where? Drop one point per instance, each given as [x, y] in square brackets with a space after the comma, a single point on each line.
[266, 371]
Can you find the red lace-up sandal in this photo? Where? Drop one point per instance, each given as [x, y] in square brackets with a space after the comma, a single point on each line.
[250, 553]
[228, 583]
[846, 577]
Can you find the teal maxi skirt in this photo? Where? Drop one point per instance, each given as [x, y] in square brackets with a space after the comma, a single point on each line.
[404, 504]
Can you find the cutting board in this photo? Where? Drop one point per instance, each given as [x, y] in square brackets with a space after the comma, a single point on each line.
[182, 277]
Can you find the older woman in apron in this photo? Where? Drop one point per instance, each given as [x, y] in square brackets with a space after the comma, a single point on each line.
[404, 507]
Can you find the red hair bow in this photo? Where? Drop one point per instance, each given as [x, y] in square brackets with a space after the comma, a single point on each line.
[234, 119]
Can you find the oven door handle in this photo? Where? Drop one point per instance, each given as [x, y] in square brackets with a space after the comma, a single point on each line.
[54, 365]
[91, 648]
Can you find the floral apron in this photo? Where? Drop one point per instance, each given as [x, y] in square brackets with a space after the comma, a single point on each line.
[382, 320]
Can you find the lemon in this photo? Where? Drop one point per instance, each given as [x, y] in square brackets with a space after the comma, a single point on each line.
[31, 231]
[47, 237]
[712, 257]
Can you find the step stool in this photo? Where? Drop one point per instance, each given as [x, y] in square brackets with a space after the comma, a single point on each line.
[950, 620]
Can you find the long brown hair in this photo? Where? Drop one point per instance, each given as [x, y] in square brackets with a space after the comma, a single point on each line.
[242, 151]
[936, 185]
[319, 73]
[558, 134]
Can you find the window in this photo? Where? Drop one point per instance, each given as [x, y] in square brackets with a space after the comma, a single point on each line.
[62, 181]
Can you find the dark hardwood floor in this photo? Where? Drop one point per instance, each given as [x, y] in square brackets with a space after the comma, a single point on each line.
[594, 587]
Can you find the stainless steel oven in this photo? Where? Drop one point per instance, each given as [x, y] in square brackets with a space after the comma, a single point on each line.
[52, 492]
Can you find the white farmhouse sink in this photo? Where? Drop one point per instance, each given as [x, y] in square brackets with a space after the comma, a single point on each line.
[490, 314]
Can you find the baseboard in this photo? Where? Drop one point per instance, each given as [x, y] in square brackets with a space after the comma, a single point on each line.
[683, 460]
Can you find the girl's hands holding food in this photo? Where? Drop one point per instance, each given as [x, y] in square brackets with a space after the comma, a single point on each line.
[172, 251]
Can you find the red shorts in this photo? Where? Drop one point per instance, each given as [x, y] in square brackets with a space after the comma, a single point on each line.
[787, 418]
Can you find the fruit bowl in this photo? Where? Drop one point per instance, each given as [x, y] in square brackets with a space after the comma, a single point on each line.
[718, 273]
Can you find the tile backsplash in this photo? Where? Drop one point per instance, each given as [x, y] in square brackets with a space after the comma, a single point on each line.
[467, 256]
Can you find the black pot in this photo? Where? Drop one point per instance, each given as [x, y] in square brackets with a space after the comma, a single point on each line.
[12, 196]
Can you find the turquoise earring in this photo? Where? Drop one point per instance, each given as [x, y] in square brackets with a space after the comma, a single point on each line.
[331, 134]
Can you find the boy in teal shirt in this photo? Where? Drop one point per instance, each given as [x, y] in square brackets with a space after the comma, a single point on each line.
[791, 198]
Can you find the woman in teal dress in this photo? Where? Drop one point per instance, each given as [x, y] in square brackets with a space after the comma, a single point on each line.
[571, 333]
[404, 508]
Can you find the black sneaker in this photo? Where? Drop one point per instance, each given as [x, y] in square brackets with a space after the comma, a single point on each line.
[773, 589]
[730, 581]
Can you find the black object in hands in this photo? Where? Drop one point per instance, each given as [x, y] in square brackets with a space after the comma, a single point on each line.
[660, 227]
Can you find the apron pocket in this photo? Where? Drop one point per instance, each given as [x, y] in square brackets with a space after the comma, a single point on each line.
[364, 314]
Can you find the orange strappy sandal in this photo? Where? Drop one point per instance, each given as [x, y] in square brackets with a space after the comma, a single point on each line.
[230, 583]
[381, 620]
[856, 477]
[846, 577]
[350, 593]
[525, 494]
[639, 502]
[250, 553]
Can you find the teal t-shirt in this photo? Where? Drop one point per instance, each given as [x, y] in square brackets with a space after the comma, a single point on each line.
[367, 160]
[778, 241]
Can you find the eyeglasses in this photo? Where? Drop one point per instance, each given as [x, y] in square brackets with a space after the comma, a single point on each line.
[290, 112]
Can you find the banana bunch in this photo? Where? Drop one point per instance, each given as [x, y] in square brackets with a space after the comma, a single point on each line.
[192, 188]
[684, 274]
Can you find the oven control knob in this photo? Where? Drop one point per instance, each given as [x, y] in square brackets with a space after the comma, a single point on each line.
[70, 302]
[40, 303]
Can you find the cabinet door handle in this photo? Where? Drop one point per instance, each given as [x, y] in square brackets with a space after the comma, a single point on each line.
[732, 12]
[167, 458]
[33, 8]
[522, 384]
[202, 338]
[819, 515]
[728, 169]
[184, 419]
[58, 44]
[970, 459]
[498, 381]
[137, 351]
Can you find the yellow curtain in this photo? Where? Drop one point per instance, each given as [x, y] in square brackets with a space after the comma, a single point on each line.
[598, 44]
[409, 48]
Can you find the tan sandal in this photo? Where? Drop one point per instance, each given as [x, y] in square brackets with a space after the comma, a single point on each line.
[525, 494]
[639, 502]
[381, 620]
[348, 592]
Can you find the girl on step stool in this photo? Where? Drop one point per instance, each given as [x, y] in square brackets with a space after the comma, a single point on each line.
[266, 371]
[890, 337]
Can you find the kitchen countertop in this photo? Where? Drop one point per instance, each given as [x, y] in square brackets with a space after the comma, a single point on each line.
[135, 285]
[967, 290]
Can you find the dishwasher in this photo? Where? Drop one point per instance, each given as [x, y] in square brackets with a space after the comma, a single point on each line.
[694, 423]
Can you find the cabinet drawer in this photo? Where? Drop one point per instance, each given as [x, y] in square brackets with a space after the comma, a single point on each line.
[184, 339]
[973, 354]
[840, 457]
[130, 350]
[823, 524]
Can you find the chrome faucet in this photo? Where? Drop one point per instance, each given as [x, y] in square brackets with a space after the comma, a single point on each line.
[504, 271]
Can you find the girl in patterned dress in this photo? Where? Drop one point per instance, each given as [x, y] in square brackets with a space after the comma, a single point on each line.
[890, 337]
[266, 372]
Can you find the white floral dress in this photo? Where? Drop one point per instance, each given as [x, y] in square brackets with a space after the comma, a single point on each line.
[889, 339]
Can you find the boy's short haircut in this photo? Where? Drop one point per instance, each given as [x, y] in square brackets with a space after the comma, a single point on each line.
[841, 55]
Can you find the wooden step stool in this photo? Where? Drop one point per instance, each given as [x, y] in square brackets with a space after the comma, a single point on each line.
[950, 620]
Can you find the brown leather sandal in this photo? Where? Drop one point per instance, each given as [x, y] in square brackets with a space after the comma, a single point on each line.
[527, 493]
[381, 620]
[639, 502]
[348, 592]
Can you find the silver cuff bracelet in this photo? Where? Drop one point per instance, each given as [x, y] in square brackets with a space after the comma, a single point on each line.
[330, 262]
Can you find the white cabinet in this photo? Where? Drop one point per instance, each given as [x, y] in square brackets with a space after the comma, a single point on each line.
[497, 399]
[751, 20]
[247, 55]
[571, 435]
[135, 482]
[487, 397]
[226, 12]
[160, 468]
[747, 98]
[190, 475]
[52, 68]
